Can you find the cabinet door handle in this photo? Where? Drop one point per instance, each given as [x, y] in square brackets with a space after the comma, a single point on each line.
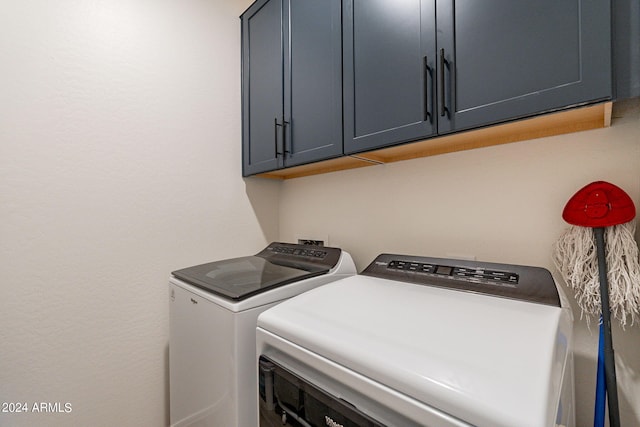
[284, 135]
[427, 72]
[443, 108]
[275, 136]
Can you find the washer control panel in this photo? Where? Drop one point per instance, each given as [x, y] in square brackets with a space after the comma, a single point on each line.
[297, 251]
[301, 256]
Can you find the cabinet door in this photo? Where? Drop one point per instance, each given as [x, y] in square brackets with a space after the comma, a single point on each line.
[313, 81]
[262, 73]
[389, 59]
[506, 59]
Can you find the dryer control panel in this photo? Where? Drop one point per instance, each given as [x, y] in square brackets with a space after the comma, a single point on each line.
[531, 284]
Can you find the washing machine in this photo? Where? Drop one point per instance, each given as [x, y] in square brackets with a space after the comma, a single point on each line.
[418, 341]
[213, 312]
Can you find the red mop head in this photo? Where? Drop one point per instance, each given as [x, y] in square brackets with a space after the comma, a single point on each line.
[599, 204]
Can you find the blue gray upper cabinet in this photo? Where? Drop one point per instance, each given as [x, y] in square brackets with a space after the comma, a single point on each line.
[262, 86]
[389, 58]
[291, 83]
[417, 68]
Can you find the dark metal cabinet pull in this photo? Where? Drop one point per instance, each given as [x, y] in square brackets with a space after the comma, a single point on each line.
[284, 135]
[443, 108]
[427, 72]
[275, 138]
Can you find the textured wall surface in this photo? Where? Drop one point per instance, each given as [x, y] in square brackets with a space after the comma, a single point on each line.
[500, 204]
[119, 162]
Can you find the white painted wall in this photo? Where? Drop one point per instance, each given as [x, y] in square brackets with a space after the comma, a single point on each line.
[119, 162]
[500, 204]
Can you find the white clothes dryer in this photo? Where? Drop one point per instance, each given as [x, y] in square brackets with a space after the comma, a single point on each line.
[213, 312]
[417, 341]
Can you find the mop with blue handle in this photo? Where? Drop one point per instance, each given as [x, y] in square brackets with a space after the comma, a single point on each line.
[601, 383]
[598, 258]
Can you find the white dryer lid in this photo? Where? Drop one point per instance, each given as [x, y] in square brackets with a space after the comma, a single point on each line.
[486, 360]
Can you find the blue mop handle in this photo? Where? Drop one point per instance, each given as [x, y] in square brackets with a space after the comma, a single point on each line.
[601, 384]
